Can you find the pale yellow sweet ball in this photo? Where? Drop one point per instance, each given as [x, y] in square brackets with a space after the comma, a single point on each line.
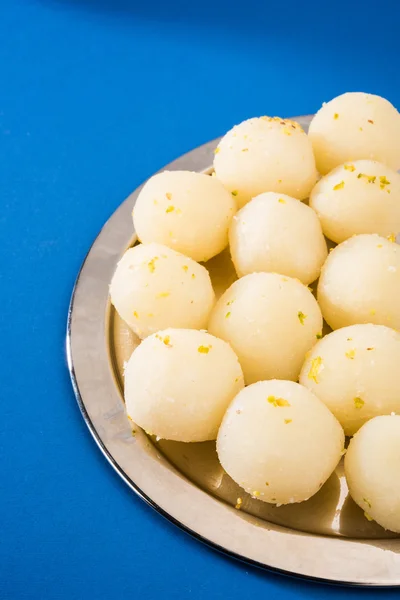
[155, 287]
[360, 283]
[354, 371]
[279, 442]
[188, 212]
[372, 469]
[355, 126]
[276, 233]
[270, 321]
[358, 197]
[179, 383]
[266, 155]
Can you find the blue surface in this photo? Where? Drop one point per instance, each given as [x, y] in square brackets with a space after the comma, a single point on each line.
[94, 97]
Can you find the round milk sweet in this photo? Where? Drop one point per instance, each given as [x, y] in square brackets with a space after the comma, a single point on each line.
[276, 233]
[266, 154]
[354, 371]
[356, 126]
[188, 212]
[362, 196]
[360, 283]
[271, 321]
[372, 469]
[279, 442]
[179, 383]
[155, 287]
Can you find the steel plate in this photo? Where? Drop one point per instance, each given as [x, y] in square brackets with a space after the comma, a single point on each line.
[326, 538]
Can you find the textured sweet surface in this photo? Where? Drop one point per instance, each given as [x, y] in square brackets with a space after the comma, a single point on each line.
[279, 442]
[360, 283]
[155, 287]
[278, 234]
[266, 154]
[372, 466]
[188, 212]
[354, 371]
[356, 125]
[362, 196]
[179, 383]
[271, 321]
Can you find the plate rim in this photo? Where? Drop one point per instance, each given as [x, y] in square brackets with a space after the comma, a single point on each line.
[198, 159]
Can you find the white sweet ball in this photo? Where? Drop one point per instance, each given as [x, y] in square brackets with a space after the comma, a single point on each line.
[358, 197]
[155, 287]
[179, 383]
[355, 126]
[360, 283]
[266, 155]
[372, 469]
[279, 442]
[276, 233]
[188, 212]
[271, 321]
[354, 371]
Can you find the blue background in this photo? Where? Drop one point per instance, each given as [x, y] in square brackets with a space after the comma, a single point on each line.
[94, 97]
